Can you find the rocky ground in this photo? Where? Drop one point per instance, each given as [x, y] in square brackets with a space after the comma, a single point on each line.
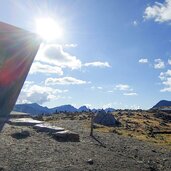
[105, 152]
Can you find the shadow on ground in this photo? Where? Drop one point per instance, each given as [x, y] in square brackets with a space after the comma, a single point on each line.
[99, 142]
[21, 135]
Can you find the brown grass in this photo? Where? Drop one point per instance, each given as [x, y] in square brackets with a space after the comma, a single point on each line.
[137, 125]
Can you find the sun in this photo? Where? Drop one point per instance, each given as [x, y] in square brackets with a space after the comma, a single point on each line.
[48, 29]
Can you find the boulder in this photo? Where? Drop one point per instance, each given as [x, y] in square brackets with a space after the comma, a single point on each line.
[103, 118]
[66, 136]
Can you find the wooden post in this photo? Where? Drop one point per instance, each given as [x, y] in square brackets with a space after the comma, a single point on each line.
[92, 121]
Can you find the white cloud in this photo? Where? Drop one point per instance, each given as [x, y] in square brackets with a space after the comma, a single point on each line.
[164, 75]
[71, 45]
[64, 81]
[166, 81]
[32, 93]
[159, 64]
[128, 91]
[93, 87]
[135, 107]
[130, 94]
[123, 87]
[143, 60]
[97, 64]
[53, 58]
[110, 91]
[108, 105]
[169, 61]
[96, 88]
[28, 83]
[135, 23]
[55, 55]
[100, 88]
[87, 105]
[38, 67]
[160, 12]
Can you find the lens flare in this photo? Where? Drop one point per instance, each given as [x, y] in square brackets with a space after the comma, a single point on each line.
[48, 29]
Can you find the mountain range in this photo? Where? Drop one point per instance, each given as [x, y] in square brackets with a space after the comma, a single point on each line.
[35, 109]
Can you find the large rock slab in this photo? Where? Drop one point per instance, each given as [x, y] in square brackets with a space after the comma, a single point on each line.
[104, 118]
[66, 136]
[45, 127]
[24, 122]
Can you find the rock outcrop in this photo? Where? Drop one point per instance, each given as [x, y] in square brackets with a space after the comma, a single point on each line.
[103, 118]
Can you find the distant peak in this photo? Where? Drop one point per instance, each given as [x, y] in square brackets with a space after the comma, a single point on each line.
[162, 103]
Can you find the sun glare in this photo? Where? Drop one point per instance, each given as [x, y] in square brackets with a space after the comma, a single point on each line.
[48, 29]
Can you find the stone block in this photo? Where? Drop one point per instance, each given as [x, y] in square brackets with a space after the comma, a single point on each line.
[24, 122]
[44, 127]
[66, 136]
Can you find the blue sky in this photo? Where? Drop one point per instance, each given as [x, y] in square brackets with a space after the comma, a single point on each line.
[112, 53]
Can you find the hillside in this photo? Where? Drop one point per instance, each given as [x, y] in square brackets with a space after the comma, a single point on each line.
[33, 109]
[36, 109]
[83, 108]
[64, 108]
[162, 103]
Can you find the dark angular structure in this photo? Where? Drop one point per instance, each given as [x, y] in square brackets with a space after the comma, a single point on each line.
[17, 51]
[104, 118]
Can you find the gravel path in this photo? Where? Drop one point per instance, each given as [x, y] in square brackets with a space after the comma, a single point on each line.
[109, 152]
